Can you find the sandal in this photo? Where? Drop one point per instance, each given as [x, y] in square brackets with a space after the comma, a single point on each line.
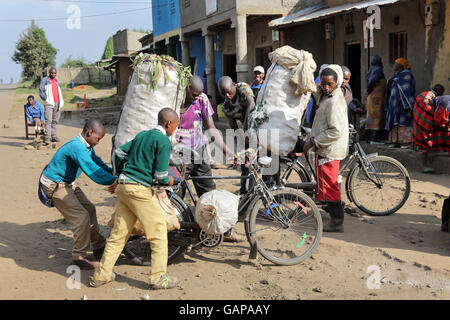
[165, 282]
[428, 170]
[97, 283]
[234, 236]
[85, 264]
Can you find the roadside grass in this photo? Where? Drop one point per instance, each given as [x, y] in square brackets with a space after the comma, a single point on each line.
[101, 91]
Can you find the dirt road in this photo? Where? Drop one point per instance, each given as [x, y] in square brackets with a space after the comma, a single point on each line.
[411, 252]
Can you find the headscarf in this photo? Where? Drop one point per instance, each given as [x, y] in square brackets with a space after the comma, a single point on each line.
[322, 67]
[336, 68]
[404, 63]
[375, 73]
[442, 101]
[376, 61]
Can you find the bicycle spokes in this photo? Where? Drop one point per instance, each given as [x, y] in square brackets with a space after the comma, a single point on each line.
[302, 241]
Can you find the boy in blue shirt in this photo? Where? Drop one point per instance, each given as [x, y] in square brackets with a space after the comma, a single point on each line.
[35, 114]
[74, 157]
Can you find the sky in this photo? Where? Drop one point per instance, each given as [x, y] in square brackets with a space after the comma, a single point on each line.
[86, 39]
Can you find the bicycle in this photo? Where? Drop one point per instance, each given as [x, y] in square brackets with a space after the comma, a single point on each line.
[378, 185]
[284, 225]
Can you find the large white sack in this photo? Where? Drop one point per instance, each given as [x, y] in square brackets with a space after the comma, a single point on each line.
[217, 211]
[284, 97]
[149, 92]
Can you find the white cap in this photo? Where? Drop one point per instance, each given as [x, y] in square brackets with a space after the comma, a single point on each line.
[259, 69]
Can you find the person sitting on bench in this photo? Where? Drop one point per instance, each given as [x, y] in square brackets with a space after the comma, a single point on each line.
[35, 114]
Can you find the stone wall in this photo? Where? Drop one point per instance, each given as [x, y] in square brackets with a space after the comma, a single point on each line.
[84, 75]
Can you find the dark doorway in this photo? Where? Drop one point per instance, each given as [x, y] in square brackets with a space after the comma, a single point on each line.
[229, 66]
[262, 57]
[353, 62]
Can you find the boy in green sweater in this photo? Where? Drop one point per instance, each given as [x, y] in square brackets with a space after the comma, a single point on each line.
[147, 160]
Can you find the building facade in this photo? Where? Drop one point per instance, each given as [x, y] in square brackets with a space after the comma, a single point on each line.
[167, 27]
[334, 32]
[126, 46]
[228, 37]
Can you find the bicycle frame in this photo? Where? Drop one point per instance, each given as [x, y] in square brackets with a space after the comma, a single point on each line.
[259, 188]
[357, 156]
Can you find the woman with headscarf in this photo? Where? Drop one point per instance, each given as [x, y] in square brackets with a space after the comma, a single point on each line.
[400, 97]
[440, 140]
[329, 138]
[376, 87]
[423, 112]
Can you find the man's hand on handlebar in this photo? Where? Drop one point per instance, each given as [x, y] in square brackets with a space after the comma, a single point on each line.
[308, 145]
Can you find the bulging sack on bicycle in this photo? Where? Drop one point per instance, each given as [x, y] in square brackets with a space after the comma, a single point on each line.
[171, 215]
[158, 81]
[283, 99]
[217, 211]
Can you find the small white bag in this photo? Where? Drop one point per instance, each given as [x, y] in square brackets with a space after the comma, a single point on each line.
[217, 211]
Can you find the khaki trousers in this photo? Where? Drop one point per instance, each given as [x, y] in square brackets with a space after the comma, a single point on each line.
[51, 121]
[136, 202]
[80, 214]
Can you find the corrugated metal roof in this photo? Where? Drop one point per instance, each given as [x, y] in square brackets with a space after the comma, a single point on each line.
[318, 11]
[149, 46]
[109, 66]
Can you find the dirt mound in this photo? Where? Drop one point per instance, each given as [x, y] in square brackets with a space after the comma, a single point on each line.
[83, 87]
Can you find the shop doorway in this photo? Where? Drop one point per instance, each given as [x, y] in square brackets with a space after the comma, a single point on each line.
[353, 62]
[262, 57]
[229, 66]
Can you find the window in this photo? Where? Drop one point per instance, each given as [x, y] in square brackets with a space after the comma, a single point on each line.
[398, 45]
[172, 7]
[187, 3]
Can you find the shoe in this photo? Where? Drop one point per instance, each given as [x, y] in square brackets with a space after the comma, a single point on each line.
[46, 141]
[334, 226]
[98, 253]
[336, 211]
[85, 263]
[165, 282]
[428, 170]
[55, 139]
[42, 137]
[97, 283]
[234, 236]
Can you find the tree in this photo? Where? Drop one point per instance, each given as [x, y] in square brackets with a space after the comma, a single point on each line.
[109, 49]
[34, 53]
[74, 63]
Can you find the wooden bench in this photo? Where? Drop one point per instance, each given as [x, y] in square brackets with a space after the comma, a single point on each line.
[81, 103]
[27, 124]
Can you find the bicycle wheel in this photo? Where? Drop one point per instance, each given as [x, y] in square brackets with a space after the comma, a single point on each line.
[288, 230]
[293, 174]
[384, 198]
[138, 248]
